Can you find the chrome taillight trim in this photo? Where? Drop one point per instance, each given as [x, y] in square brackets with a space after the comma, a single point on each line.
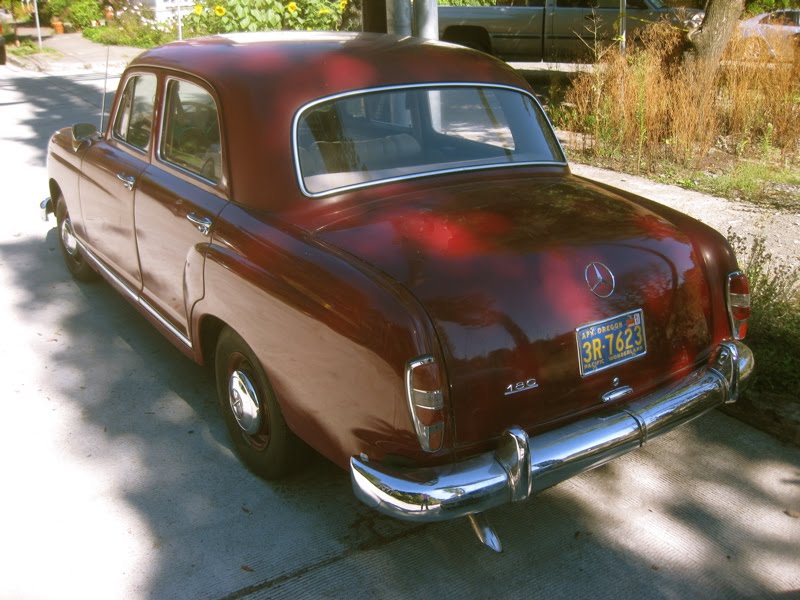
[423, 431]
[735, 300]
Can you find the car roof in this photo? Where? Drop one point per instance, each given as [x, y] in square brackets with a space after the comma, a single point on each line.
[346, 60]
[262, 79]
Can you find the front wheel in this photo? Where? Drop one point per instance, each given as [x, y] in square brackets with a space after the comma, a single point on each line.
[68, 244]
[251, 412]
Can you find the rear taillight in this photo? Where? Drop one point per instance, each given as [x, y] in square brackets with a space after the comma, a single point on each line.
[426, 401]
[738, 298]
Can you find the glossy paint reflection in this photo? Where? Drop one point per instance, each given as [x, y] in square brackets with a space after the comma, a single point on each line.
[500, 268]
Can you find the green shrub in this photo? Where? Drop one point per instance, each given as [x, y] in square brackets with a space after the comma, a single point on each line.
[84, 13]
[57, 8]
[226, 16]
[755, 7]
[132, 26]
[774, 326]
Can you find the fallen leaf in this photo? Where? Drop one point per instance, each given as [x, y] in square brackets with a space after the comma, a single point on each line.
[246, 568]
[795, 514]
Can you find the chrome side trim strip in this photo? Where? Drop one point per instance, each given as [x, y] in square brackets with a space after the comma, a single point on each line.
[169, 326]
[133, 295]
[522, 466]
[108, 272]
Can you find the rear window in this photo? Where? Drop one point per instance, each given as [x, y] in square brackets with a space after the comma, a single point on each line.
[373, 136]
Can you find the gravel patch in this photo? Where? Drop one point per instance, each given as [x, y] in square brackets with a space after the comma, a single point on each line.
[781, 229]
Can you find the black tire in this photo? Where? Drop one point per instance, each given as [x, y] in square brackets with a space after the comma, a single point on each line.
[251, 412]
[76, 263]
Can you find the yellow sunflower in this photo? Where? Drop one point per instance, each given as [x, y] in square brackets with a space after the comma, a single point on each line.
[198, 9]
[292, 7]
[342, 5]
[219, 10]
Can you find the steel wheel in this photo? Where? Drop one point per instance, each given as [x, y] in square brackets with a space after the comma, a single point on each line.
[68, 243]
[251, 412]
[246, 402]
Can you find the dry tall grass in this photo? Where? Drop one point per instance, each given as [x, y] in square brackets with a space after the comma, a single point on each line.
[650, 106]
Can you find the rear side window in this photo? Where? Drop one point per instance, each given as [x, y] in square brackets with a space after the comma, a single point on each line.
[190, 138]
[134, 121]
[379, 135]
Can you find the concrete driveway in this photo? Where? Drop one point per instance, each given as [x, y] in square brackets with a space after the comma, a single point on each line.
[118, 480]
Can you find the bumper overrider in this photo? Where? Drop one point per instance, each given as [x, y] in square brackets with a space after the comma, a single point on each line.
[522, 466]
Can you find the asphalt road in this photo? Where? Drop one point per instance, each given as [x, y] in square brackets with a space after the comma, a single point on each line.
[117, 480]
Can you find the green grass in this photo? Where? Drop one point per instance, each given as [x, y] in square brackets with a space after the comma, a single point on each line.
[753, 182]
[28, 47]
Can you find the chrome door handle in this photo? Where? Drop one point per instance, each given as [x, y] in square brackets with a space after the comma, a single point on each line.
[127, 180]
[203, 224]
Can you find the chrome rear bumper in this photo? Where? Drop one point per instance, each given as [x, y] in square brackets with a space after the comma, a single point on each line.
[522, 466]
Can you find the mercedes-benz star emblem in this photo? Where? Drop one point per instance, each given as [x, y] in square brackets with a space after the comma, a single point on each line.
[600, 279]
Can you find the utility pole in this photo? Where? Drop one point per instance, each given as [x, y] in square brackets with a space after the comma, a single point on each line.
[398, 17]
[426, 19]
[395, 16]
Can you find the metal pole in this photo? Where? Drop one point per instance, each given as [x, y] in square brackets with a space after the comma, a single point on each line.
[398, 17]
[105, 91]
[180, 21]
[623, 24]
[38, 26]
[426, 19]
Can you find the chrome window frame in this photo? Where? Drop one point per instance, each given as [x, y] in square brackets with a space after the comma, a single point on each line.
[216, 185]
[433, 86]
[112, 123]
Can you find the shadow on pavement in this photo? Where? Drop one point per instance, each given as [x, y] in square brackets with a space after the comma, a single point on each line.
[64, 103]
[695, 514]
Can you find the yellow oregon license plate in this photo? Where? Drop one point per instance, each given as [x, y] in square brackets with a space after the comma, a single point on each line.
[610, 342]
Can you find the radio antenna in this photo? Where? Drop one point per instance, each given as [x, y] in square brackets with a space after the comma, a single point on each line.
[105, 89]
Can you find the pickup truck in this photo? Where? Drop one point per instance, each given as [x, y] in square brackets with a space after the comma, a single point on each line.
[553, 30]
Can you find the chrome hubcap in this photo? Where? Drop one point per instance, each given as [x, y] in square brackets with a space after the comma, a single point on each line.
[244, 402]
[68, 237]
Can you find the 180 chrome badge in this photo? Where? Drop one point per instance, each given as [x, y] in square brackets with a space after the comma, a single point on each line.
[521, 386]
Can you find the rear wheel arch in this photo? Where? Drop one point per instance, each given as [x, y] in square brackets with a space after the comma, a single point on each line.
[209, 330]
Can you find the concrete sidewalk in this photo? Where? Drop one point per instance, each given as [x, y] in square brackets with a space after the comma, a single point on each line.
[71, 53]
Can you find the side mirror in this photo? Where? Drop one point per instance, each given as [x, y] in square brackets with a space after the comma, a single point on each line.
[82, 132]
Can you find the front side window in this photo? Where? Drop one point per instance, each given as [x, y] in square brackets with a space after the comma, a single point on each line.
[374, 136]
[134, 121]
[190, 137]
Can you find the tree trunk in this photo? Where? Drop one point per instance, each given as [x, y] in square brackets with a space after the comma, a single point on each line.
[708, 43]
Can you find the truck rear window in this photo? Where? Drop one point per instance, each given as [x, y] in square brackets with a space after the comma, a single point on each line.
[368, 137]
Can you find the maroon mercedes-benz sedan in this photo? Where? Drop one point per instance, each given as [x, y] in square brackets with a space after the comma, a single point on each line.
[378, 246]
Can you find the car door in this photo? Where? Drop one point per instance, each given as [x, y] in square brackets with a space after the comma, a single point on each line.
[178, 197]
[581, 29]
[110, 172]
[516, 27]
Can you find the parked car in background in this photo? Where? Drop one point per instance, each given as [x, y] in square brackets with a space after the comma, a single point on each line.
[553, 30]
[377, 245]
[775, 34]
